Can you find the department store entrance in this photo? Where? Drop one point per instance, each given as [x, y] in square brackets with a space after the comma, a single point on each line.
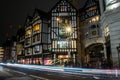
[95, 55]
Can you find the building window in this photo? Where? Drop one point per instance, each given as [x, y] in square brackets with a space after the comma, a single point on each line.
[36, 48]
[36, 28]
[34, 38]
[94, 31]
[28, 51]
[107, 33]
[28, 32]
[38, 37]
[27, 41]
[62, 44]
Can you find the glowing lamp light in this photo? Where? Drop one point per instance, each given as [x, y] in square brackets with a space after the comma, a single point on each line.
[68, 29]
[58, 19]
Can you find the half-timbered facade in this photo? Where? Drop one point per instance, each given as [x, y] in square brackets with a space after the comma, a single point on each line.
[40, 39]
[63, 31]
[36, 38]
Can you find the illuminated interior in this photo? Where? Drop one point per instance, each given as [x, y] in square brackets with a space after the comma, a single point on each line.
[94, 19]
[36, 27]
[28, 32]
[62, 44]
[92, 8]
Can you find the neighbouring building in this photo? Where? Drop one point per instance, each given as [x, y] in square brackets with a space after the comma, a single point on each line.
[110, 23]
[36, 39]
[91, 34]
[20, 52]
[1, 54]
[9, 50]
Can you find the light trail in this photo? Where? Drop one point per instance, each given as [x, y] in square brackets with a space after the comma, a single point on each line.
[85, 71]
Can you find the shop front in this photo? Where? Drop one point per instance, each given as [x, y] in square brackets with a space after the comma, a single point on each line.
[48, 60]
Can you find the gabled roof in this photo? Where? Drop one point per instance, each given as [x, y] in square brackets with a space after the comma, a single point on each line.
[41, 13]
[59, 3]
[28, 20]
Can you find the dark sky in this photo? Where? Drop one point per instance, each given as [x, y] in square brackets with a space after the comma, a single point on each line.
[13, 13]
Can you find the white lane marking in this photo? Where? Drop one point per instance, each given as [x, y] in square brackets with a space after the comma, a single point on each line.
[15, 71]
[95, 77]
[18, 72]
[38, 77]
[28, 75]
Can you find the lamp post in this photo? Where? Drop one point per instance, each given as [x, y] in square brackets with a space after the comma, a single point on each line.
[118, 49]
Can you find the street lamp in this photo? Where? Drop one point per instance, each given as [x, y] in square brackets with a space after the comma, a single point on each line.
[118, 49]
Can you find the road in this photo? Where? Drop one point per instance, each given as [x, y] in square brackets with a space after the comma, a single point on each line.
[43, 74]
[8, 74]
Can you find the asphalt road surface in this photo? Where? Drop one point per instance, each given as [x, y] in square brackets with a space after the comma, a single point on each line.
[15, 73]
[8, 74]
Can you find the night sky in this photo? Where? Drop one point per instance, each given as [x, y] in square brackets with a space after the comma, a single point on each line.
[13, 13]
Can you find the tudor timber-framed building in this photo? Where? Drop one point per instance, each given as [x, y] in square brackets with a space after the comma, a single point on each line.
[82, 44]
[63, 43]
[43, 33]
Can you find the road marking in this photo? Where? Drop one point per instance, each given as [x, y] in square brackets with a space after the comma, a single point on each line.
[19, 72]
[38, 77]
[95, 77]
[26, 74]
[15, 71]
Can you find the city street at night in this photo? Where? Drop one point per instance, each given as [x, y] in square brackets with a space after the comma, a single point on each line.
[60, 40]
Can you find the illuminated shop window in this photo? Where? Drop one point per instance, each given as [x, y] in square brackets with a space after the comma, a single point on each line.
[36, 27]
[28, 32]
